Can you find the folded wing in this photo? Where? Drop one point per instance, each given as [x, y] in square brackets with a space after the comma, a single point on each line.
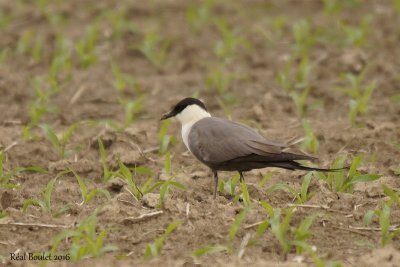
[216, 140]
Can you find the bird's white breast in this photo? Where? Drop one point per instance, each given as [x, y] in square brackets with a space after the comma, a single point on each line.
[185, 134]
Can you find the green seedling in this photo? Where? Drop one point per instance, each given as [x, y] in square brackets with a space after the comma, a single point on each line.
[310, 142]
[199, 15]
[283, 187]
[4, 54]
[24, 42]
[39, 107]
[45, 203]
[231, 41]
[131, 109]
[235, 226]
[219, 79]
[167, 185]
[245, 194]
[119, 79]
[55, 19]
[299, 100]
[85, 47]
[395, 98]
[136, 191]
[42, 5]
[209, 249]
[265, 179]
[233, 230]
[302, 85]
[303, 195]
[37, 49]
[61, 62]
[5, 18]
[304, 37]
[165, 139]
[303, 73]
[3, 214]
[387, 231]
[356, 36]
[289, 237]
[107, 173]
[342, 181]
[229, 186]
[87, 195]
[274, 29]
[293, 77]
[283, 77]
[360, 94]
[122, 81]
[295, 80]
[83, 241]
[336, 6]
[394, 196]
[396, 5]
[120, 23]
[332, 6]
[155, 48]
[28, 44]
[301, 234]
[225, 102]
[154, 249]
[5, 177]
[60, 142]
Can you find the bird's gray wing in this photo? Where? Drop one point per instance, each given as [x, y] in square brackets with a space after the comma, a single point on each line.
[216, 140]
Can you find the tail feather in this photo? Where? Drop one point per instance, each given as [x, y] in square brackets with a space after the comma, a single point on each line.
[293, 165]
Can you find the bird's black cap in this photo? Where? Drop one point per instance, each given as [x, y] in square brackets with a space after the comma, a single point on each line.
[182, 105]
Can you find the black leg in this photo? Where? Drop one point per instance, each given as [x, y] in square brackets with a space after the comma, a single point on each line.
[216, 183]
[241, 177]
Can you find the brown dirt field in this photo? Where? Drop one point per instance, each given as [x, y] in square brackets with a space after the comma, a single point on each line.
[88, 96]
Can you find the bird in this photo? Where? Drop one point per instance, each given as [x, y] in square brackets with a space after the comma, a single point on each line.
[225, 145]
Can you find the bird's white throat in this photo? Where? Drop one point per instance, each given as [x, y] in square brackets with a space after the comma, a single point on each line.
[189, 116]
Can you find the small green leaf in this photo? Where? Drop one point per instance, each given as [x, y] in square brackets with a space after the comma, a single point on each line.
[245, 194]
[365, 178]
[265, 178]
[304, 187]
[368, 217]
[96, 191]
[35, 169]
[262, 228]
[393, 195]
[268, 208]
[126, 173]
[234, 182]
[284, 187]
[354, 165]
[1, 164]
[82, 186]
[177, 185]
[51, 136]
[68, 133]
[167, 163]
[29, 202]
[47, 193]
[209, 250]
[238, 220]
[154, 249]
[384, 223]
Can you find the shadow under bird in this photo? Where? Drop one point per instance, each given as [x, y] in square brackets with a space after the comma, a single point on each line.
[225, 145]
